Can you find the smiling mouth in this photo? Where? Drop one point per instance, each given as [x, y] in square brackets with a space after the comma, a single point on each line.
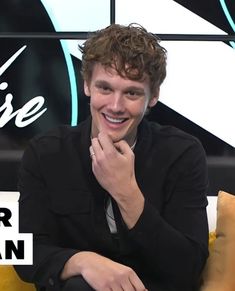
[114, 120]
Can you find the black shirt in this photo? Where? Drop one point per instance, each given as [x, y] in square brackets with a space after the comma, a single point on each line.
[62, 204]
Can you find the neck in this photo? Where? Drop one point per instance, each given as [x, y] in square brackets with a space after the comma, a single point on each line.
[131, 140]
[134, 143]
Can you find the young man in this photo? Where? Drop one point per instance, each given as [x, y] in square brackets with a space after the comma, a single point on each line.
[116, 203]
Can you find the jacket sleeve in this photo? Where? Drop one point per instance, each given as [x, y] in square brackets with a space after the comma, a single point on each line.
[34, 217]
[174, 243]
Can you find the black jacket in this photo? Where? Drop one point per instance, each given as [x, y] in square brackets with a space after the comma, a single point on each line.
[62, 204]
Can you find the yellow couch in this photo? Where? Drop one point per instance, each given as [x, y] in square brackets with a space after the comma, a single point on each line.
[9, 280]
[218, 274]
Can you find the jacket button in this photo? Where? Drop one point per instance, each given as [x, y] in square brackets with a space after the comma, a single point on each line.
[51, 282]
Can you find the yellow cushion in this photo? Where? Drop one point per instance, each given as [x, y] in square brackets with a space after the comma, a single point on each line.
[219, 272]
[11, 282]
[212, 237]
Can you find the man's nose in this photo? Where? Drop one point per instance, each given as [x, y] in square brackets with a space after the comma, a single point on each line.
[117, 103]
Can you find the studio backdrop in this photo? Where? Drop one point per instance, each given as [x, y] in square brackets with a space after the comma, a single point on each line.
[41, 85]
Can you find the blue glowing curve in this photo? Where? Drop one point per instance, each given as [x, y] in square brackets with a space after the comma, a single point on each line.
[229, 18]
[71, 72]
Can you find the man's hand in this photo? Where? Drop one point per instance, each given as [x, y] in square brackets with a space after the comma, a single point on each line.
[101, 273]
[113, 167]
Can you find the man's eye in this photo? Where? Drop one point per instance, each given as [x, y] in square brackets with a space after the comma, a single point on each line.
[133, 94]
[104, 88]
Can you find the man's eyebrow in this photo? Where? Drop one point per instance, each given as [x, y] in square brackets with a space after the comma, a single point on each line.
[102, 82]
[134, 88]
[128, 88]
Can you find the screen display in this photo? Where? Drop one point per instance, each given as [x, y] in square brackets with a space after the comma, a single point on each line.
[41, 85]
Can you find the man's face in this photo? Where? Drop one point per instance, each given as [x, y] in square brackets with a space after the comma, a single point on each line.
[117, 104]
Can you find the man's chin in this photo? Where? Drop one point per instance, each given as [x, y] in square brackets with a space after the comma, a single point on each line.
[114, 138]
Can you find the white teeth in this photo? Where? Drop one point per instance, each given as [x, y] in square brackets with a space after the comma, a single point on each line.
[114, 120]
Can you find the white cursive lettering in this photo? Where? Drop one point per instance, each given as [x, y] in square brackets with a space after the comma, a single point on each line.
[28, 113]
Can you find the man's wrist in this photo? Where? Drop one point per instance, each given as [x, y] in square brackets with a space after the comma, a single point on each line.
[74, 265]
[132, 208]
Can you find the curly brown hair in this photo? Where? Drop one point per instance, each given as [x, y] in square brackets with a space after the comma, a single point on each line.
[130, 50]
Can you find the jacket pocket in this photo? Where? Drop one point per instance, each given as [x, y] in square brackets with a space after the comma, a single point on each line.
[66, 201]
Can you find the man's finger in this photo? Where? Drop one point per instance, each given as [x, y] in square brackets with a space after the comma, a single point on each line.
[123, 147]
[96, 146]
[136, 282]
[105, 142]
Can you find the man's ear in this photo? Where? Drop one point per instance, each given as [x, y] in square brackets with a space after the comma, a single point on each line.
[86, 89]
[154, 99]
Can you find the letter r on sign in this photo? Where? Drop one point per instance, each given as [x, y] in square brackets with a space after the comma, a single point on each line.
[5, 215]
